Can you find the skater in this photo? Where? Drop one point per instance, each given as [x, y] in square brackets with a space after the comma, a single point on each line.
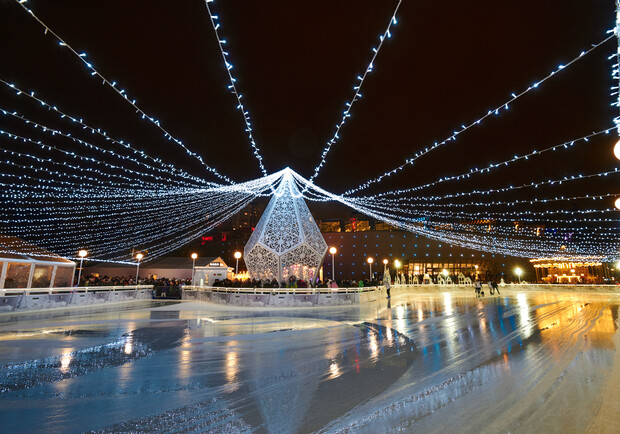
[490, 285]
[387, 287]
[478, 286]
[495, 287]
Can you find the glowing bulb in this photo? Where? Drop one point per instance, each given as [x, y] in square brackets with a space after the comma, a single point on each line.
[139, 256]
[385, 261]
[194, 255]
[518, 271]
[237, 255]
[617, 150]
[332, 250]
[397, 263]
[370, 260]
[617, 203]
[82, 253]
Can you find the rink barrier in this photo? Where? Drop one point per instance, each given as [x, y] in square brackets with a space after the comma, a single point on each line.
[278, 297]
[300, 297]
[24, 300]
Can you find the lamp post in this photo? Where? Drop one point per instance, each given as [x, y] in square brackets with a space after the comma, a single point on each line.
[518, 272]
[333, 251]
[370, 261]
[139, 257]
[397, 265]
[385, 268]
[237, 256]
[194, 256]
[82, 254]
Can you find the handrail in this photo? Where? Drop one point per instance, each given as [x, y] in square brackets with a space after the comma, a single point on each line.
[69, 290]
[253, 290]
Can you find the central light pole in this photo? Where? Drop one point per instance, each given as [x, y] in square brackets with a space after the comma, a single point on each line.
[237, 257]
[194, 256]
[385, 270]
[139, 257]
[397, 265]
[333, 251]
[82, 254]
[518, 272]
[370, 261]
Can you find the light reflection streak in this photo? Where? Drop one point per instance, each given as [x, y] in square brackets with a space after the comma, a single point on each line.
[65, 360]
[373, 344]
[232, 365]
[524, 315]
[334, 371]
[447, 300]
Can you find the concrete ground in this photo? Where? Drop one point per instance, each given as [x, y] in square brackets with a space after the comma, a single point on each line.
[428, 360]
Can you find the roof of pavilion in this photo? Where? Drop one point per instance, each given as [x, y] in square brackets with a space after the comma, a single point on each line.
[20, 250]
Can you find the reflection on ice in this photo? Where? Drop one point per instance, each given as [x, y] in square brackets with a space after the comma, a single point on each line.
[415, 362]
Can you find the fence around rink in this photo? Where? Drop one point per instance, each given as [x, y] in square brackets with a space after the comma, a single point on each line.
[17, 300]
[278, 297]
[298, 297]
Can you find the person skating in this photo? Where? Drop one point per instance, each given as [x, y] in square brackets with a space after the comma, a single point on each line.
[495, 287]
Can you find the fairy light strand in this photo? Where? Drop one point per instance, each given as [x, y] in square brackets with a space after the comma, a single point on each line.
[121, 92]
[356, 91]
[232, 87]
[496, 111]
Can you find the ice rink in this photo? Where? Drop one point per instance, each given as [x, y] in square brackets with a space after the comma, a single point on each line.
[428, 361]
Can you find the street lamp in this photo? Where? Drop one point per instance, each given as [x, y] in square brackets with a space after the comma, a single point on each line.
[139, 257]
[82, 254]
[237, 256]
[333, 251]
[370, 261]
[194, 256]
[518, 272]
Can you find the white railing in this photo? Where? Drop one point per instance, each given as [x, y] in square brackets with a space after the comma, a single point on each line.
[259, 290]
[69, 290]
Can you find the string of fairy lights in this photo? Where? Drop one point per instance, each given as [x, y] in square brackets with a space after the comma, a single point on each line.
[63, 191]
[232, 87]
[357, 95]
[121, 92]
[465, 127]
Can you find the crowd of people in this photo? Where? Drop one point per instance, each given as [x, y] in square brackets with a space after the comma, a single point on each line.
[293, 282]
[97, 280]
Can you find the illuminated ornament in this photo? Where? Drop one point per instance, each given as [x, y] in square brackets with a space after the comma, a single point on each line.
[617, 150]
[286, 242]
[617, 203]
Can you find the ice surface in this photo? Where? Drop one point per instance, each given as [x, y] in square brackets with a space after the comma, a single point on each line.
[429, 361]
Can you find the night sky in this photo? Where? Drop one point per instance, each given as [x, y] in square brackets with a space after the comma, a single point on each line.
[446, 64]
